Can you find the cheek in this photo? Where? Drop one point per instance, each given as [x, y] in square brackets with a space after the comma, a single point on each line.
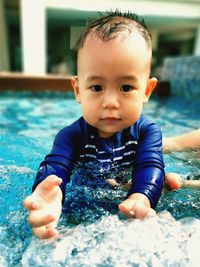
[133, 110]
[88, 108]
[135, 102]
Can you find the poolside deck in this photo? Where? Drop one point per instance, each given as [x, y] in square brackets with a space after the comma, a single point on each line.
[37, 83]
[20, 81]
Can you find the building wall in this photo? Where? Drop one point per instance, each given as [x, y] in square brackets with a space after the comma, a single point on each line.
[66, 19]
[4, 48]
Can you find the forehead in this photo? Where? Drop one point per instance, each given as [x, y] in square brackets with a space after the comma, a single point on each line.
[124, 44]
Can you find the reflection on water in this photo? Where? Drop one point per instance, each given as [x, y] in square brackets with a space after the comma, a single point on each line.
[92, 232]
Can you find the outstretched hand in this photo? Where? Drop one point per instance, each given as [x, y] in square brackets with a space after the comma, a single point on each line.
[45, 206]
[136, 206]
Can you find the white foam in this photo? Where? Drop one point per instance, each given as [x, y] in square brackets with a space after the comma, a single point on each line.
[158, 241]
[14, 168]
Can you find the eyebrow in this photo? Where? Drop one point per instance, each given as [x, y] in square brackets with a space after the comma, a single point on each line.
[93, 78]
[125, 77]
[128, 77]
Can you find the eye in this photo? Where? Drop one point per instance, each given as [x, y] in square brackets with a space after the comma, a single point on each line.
[126, 88]
[96, 88]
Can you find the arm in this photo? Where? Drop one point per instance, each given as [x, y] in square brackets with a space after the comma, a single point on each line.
[144, 194]
[147, 181]
[45, 203]
[187, 141]
[174, 181]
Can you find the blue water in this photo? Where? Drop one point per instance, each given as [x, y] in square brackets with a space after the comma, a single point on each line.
[92, 232]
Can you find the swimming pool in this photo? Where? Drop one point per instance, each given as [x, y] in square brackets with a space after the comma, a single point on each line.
[92, 232]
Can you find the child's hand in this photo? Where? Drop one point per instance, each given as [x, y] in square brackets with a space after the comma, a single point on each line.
[137, 206]
[45, 205]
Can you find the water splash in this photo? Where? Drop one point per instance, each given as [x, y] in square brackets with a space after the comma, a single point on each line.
[93, 233]
[110, 241]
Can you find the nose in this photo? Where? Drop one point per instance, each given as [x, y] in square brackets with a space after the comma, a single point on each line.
[110, 100]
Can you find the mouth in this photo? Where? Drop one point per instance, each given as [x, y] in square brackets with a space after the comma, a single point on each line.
[110, 119]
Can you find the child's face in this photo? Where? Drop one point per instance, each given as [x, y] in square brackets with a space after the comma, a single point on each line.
[113, 81]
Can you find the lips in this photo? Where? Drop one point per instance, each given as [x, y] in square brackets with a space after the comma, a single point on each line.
[110, 119]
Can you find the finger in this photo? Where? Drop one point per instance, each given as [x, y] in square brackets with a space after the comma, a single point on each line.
[112, 182]
[151, 213]
[36, 219]
[50, 182]
[141, 211]
[44, 233]
[137, 210]
[126, 209]
[30, 203]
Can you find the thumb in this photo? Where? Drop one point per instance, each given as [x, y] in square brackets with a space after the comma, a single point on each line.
[49, 189]
[151, 213]
[49, 183]
[126, 206]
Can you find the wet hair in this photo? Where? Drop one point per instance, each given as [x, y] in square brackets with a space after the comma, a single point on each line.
[109, 24]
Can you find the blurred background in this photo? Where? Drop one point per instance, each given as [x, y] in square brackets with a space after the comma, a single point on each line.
[38, 36]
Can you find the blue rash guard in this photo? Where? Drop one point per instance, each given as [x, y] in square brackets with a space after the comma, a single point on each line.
[138, 146]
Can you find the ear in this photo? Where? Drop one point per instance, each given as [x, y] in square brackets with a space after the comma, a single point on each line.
[151, 85]
[75, 85]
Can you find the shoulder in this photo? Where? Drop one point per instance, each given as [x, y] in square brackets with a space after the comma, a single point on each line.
[145, 126]
[74, 131]
[145, 122]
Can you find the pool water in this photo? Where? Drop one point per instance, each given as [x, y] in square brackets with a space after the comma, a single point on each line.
[92, 232]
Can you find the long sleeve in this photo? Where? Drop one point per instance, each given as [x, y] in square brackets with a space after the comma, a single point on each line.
[149, 172]
[64, 153]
